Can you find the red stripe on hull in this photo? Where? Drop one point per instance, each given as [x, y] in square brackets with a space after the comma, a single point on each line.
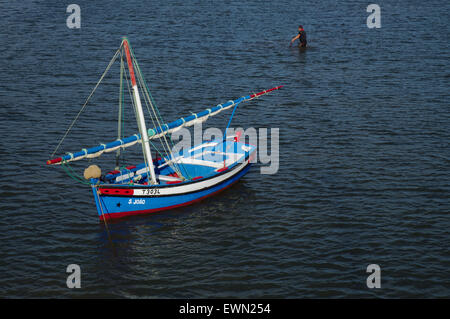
[115, 191]
[148, 211]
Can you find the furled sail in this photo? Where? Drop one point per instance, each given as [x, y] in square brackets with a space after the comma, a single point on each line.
[155, 132]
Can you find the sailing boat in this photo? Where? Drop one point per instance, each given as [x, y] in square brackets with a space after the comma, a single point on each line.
[172, 180]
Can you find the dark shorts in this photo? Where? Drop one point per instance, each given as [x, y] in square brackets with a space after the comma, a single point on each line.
[302, 44]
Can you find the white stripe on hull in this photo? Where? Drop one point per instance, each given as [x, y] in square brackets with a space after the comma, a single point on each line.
[190, 187]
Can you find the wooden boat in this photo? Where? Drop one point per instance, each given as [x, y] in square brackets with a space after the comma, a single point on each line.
[169, 181]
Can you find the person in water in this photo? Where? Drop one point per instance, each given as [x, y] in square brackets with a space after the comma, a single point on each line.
[301, 36]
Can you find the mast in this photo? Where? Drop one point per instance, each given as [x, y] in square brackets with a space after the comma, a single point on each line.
[119, 122]
[140, 117]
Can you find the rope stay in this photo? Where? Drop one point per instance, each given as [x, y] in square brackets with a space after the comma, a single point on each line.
[72, 174]
[87, 100]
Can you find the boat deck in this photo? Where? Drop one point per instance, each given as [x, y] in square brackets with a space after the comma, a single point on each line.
[200, 161]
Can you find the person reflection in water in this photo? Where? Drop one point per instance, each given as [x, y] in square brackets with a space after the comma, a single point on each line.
[301, 36]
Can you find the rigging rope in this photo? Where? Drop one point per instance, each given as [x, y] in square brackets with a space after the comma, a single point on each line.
[69, 171]
[87, 100]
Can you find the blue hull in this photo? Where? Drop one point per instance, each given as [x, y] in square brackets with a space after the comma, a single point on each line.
[111, 207]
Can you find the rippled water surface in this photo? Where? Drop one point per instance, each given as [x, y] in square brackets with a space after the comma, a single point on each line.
[364, 156]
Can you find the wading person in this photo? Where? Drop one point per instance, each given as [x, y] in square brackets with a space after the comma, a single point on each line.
[301, 36]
